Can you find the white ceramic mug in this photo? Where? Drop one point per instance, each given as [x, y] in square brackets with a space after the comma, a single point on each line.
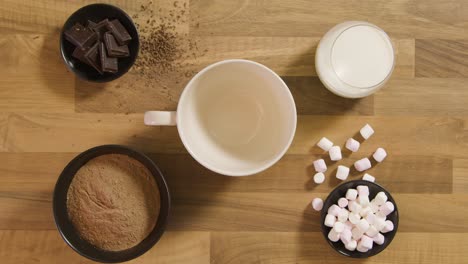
[235, 117]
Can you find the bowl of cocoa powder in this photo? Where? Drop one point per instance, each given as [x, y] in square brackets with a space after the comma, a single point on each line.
[111, 204]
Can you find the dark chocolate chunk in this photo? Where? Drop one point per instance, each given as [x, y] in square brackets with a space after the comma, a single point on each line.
[81, 36]
[79, 54]
[113, 49]
[108, 64]
[91, 24]
[119, 32]
[92, 57]
[101, 28]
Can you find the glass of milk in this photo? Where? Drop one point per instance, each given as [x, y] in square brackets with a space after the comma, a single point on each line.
[354, 59]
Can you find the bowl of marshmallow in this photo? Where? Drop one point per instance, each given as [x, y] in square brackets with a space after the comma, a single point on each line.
[359, 219]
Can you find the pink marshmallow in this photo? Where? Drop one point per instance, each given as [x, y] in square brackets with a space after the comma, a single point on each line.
[363, 190]
[345, 236]
[387, 208]
[379, 239]
[333, 235]
[362, 164]
[366, 242]
[334, 210]
[379, 154]
[342, 202]
[388, 227]
[317, 204]
[320, 165]
[352, 144]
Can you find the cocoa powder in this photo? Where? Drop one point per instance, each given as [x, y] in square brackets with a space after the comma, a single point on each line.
[113, 202]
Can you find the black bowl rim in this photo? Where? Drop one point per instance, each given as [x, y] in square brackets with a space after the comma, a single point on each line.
[388, 236]
[160, 224]
[119, 73]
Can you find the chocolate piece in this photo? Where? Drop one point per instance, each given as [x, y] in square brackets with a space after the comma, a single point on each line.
[92, 57]
[101, 28]
[119, 32]
[113, 49]
[108, 64]
[91, 24]
[79, 54]
[80, 36]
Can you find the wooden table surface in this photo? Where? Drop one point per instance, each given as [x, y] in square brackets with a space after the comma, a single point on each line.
[47, 116]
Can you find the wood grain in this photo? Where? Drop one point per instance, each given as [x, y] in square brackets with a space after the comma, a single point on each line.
[21, 246]
[271, 247]
[460, 175]
[441, 58]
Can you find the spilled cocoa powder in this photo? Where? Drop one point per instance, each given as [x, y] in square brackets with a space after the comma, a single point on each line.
[113, 202]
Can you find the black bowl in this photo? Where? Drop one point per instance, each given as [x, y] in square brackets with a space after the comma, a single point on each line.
[66, 228]
[96, 13]
[339, 192]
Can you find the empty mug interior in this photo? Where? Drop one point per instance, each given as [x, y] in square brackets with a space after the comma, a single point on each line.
[237, 117]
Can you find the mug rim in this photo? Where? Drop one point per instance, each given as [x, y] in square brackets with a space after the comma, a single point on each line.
[272, 161]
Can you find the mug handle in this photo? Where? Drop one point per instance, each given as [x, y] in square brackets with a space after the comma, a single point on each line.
[160, 118]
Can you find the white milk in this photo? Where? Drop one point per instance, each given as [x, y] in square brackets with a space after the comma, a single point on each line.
[354, 59]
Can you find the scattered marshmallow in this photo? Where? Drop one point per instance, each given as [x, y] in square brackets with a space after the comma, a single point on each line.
[363, 190]
[379, 239]
[372, 231]
[343, 215]
[363, 225]
[356, 233]
[345, 236]
[368, 177]
[351, 194]
[366, 131]
[380, 154]
[330, 220]
[317, 204]
[352, 144]
[334, 210]
[362, 164]
[335, 153]
[354, 218]
[342, 172]
[380, 198]
[320, 165]
[342, 202]
[325, 144]
[351, 246]
[366, 242]
[388, 227]
[387, 208]
[333, 235]
[363, 200]
[319, 178]
[354, 207]
[338, 227]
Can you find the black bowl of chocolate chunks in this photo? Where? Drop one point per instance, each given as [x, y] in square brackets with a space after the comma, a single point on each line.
[99, 42]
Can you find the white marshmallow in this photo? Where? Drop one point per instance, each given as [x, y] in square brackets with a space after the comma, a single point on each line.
[354, 206]
[374, 207]
[354, 218]
[335, 153]
[362, 164]
[362, 249]
[333, 235]
[343, 215]
[380, 198]
[352, 144]
[379, 239]
[351, 194]
[379, 155]
[348, 225]
[338, 227]
[342, 172]
[363, 200]
[388, 227]
[363, 225]
[325, 144]
[366, 131]
[366, 242]
[380, 215]
[320, 165]
[351, 246]
[345, 236]
[379, 223]
[329, 220]
[334, 210]
[370, 218]
[387, 208]
[365, 211]
[372, 231]
[342, 202]
[356, 234]
[368, 177]
[317, 204]
[363, 190]
[319, 177]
